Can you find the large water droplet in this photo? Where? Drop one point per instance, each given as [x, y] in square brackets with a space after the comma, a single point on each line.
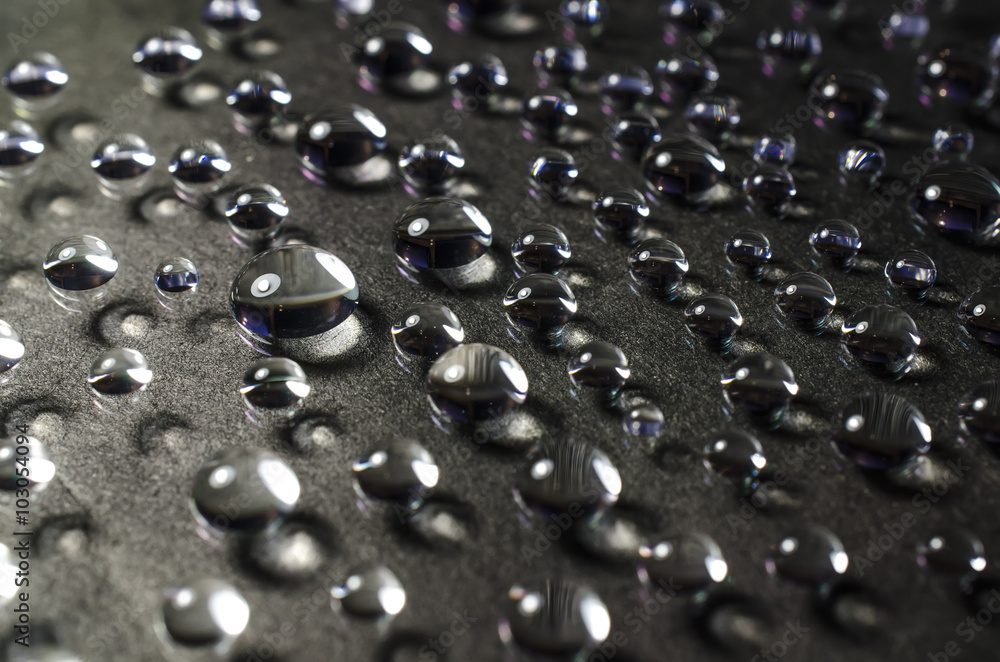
[400, 470]
[35, 81]
[20, 146]
[122, 164]
[561, 64]
[737, 455]
[569, 479]
[683, 563]
[256, 212]
[850, 98]
[476, 84]
[759, 383]
[621, 213]
[475, 383]
[397, 60]
[541, 248]
[632, 134]
[911, 271]
[682, 76]
[683, 168]
[343, 146]
[441, 233]
[599, 365]
[427, 329]
[808, 553]
[749, 250]
[259, 101]
[555, 617]
[957, 74]
[658, 264]
[959, 199]
[119, 372]
[171, 53]
[541, 302]
[227, 19]
[837, 241]
[370, 591]
[770, 189]
[805, 296]
[881, 431]
[881, 334]
[713, 317]
[207, 613]
[980, 314]
[11, 350]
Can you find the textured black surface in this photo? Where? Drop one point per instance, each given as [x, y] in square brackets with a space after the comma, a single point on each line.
[115, 528]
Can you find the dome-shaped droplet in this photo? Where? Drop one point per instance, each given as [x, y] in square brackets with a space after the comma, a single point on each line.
[476, 84]
[263, 488]
[959, 199]
[293, 292]
[24, 465]
[122, 163]
[957, 74]
[770, 189]
[567, 479]
[953, 551]
[441, 233]
[119, 372]
[400, 470]
[805, 296]
[644, 420]
[735, 454]
[853, 99]
[274, 389]
[259, 101]
[588, 18]
[683, 168]
[547, 114]
[561, 64]
[837, 241]
[256, 212]
[20, 146]
[699, 20]
[599, 365]
[902, 27]
[659, 264]
[554, 617]
[808, 553]
[980, 314]
[427, 329]
[621, 213]
[632, 133]
[749, 250]
[880, 431]
[539, 301]
[80, 267]
[759, 383]
[231, 17]
[777, 149]
[172, 52]
[713, 317]
[553, 172]
[797, 48]
[541, 248]
[682, 76]
[205, 613]
[475, 382]
[625, 90]
[341, 145]
[176, 280]
[199, 168]
[979, 412]
[11, 349]
[35, 80]
[881, 334]
[431, 165]
[911, 271]
[952, 141]
[713, 116]
[370, 591]
[861, 162]
[685, 562]
[397, 59]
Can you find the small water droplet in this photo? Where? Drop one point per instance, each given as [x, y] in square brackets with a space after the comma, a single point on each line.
[11, 350]
[119, 372]
[737, 455]
[548, 114]
[561, 64]
[625, 90]
[176, 281]
[541, 302]
[713, 317]
[441, 233]
[685, 562]
[256, 212]
[713, 116]
[658, 264]
[953, 551]
[760, 383]
[979, 412]
[541, 248]
[489, 383]
[431, 165]
[777, 149]
[980, 314]
[554, 617]
[836, 240]
[427, 329]
[683, 168]
[207, 613]
[682, 76]
[35, 81]
[345, 146]
[808, 553]
[770, 189]
[370, 591]
[632, 134]
[599, 365]
[20, 147]
[952, 141]
[553, 172]
[911, 271]
[620, 213]
[749, 250]
[400, 470]
[880, 431]
[883, 335]
[24, 465]
[850, 98]
[259, 102]
[199, 168]
[798, 48]
[476, 84]
[274, 390]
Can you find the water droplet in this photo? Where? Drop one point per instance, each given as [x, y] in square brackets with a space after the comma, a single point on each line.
[397, 60]
[293, 292]
[400, 470]
[547, 114]
[176, 281]
[259, 102]
[370, 591]
[737, 455]
[770, 189]
[171, 53]
[541, 248]
[122, 164]
[713, 116]
[486, 15]
[541, 302]
[205, 613]
[274, 390]
[700, 20]
[256, 212]
[880, 431]
[953, 551]
[119, 372]
[625, 90]
[793, 47]
[861, 162]
[777, 149]
[979, 412]
[808, 553]
[554, 617]
[683, 168]
[441, 233]
[658, 264]
[11, 350]
[431, 165]
[561, 64]
[713, 317]
[682, 76]
[749, 250]
[621, 213]
[836, 240]
[952, 141]
[902, 26]
[685, 562]
[980, 315]
[427, 329]
[293, 552]
[957, 74]
[199, 168]
[20, 146]
[851, 98]
[599, 365]
[35, 81]
[881, 334]
[911, 271]
[759, 383]
[24, 465]
[244, 490]
[553, 172]
[959, 199]
[229, 18]
[632, 134]
[644, 420]
[805, 296]
[344, 146]
[475, 383]
[78, 270]
[476, 84]
[589, 18]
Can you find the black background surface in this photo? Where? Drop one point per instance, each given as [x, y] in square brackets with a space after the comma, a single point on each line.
[115, 528]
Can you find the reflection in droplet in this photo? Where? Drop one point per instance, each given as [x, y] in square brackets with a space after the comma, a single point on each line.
[881, 431]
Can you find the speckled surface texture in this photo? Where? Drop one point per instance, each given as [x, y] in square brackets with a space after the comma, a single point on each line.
[115, 528]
